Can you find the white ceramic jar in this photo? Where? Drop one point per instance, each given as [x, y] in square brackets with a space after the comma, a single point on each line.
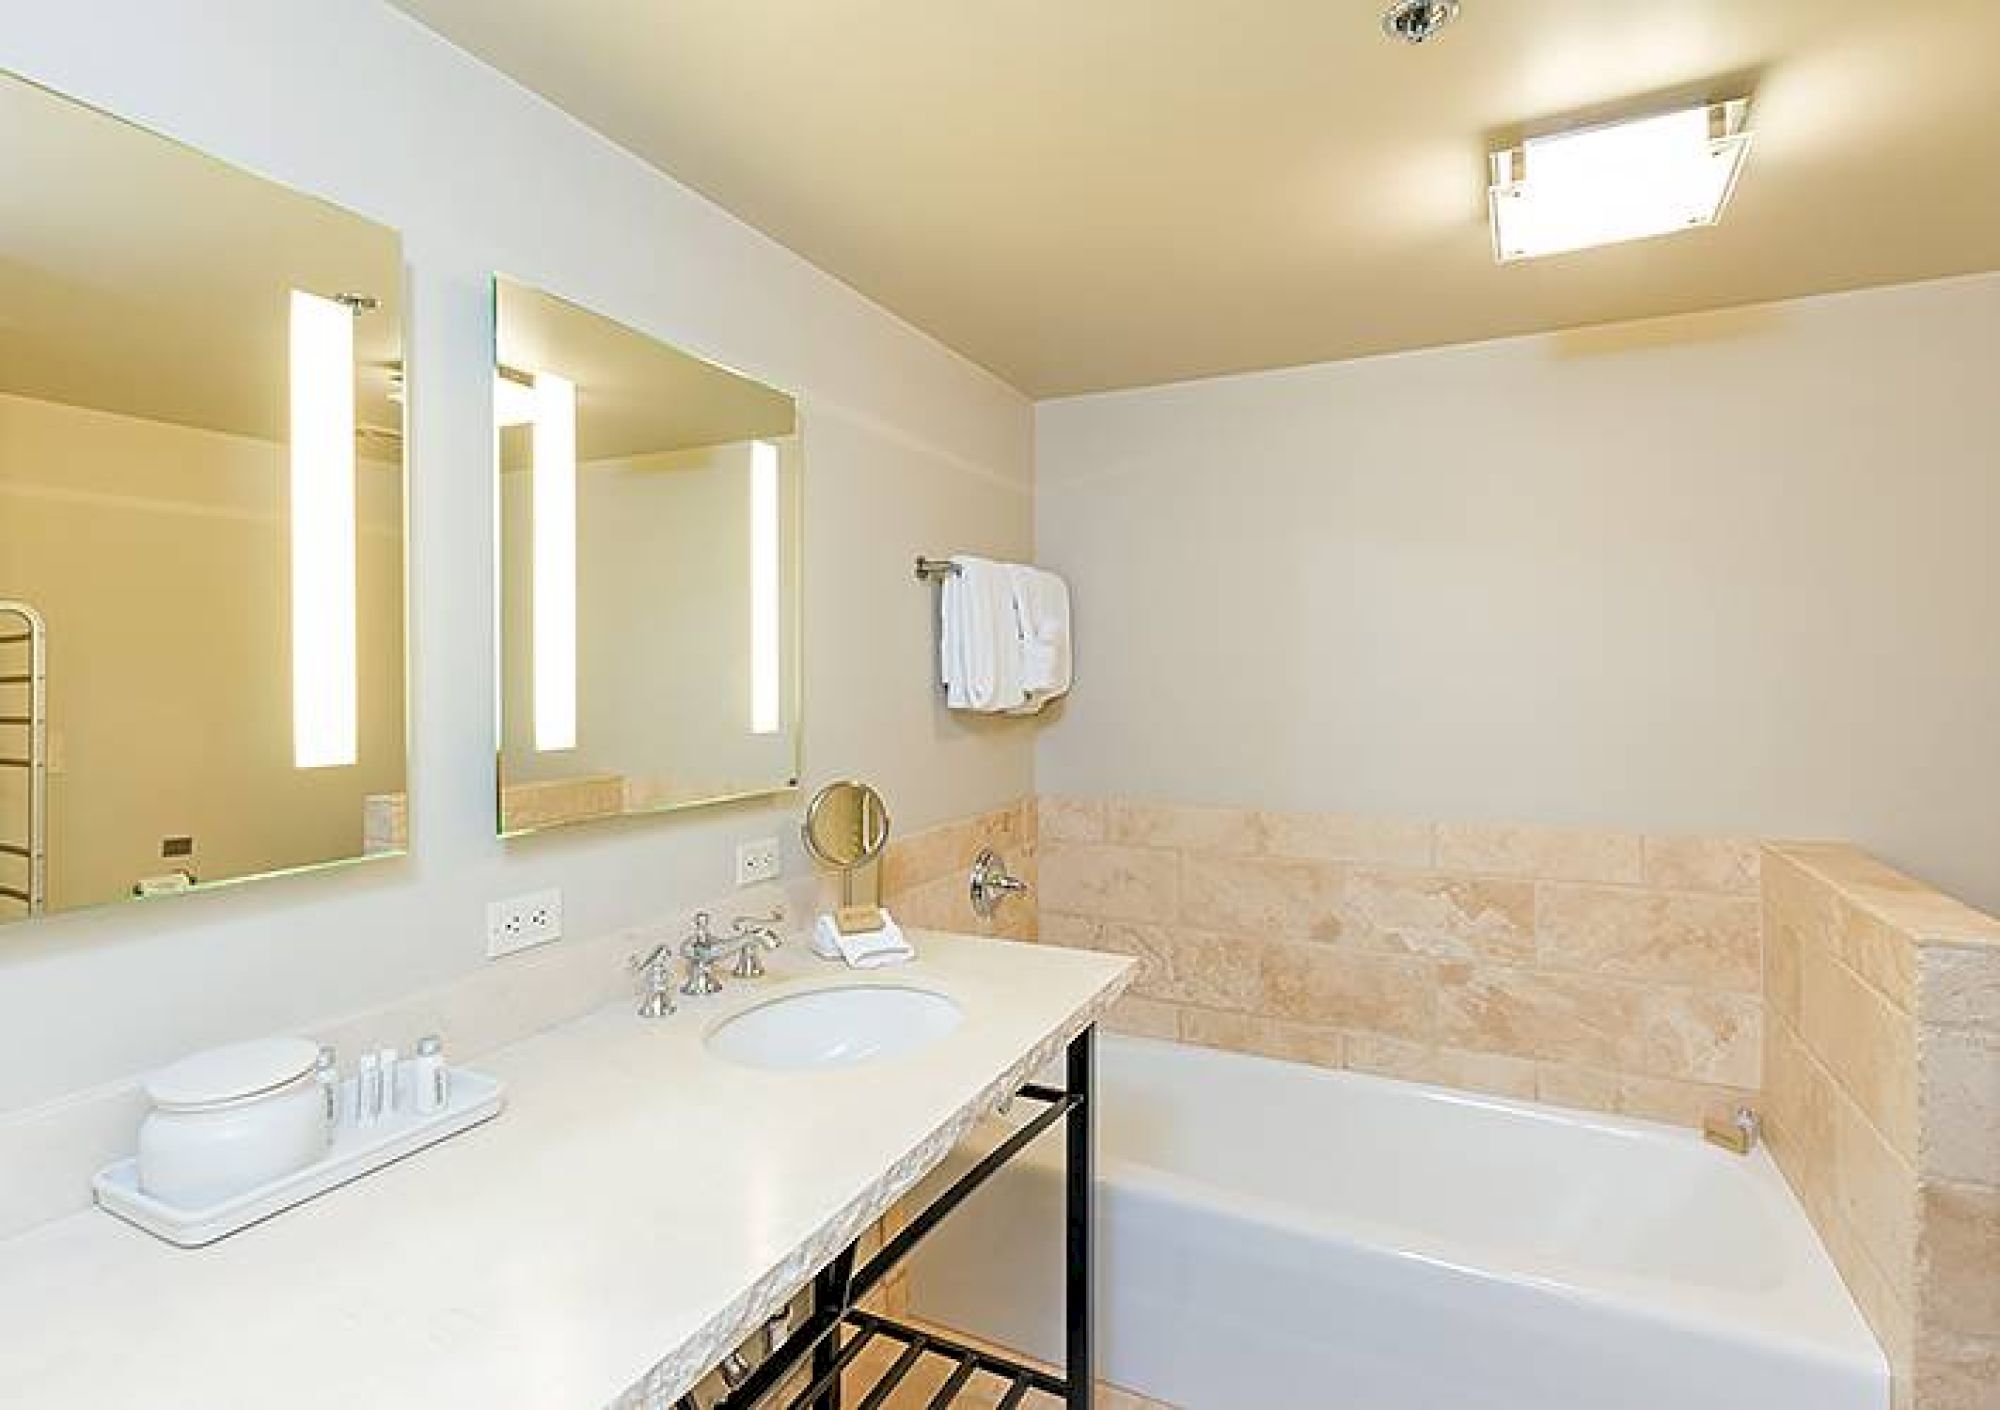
[230, 1119]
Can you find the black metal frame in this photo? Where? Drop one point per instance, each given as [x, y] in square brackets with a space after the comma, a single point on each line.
[839, 1286]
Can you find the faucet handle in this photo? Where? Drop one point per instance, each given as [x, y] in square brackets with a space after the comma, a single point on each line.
[657, 973]
[764, 927]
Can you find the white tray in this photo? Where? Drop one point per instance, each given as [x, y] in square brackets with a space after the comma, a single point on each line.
[356, 1150]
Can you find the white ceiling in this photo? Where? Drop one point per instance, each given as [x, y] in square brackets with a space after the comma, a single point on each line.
[1118, 192]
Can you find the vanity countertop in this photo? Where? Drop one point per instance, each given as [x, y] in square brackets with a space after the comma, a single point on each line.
[639, 1208]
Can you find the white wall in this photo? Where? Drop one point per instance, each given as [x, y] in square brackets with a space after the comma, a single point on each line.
[1729, 572]
[908, 449]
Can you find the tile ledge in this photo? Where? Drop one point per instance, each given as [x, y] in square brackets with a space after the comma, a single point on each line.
[1927, 915]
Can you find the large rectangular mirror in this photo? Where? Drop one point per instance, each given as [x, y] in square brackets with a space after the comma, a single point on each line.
[201, 517]
[649, 566]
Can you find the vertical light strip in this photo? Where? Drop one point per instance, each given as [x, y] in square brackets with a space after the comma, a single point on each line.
[764, 529]
[554, 486]
[323, 538]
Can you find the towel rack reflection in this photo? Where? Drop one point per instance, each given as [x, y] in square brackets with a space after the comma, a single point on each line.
[932, 569]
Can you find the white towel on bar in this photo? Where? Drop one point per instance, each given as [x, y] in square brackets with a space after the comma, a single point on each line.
[1041, 607]
[979, 638]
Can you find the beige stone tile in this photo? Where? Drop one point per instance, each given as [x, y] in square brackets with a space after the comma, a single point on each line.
[1696, 1035]
[1958, 1373]
[1572, 1085]
[1186, 966]
[1713, 941]
[1905, 903]
[1722, 866]
[1445, 917]
[1114, 883]
[1679, 1103]
[1959, 1258]
[1877, 952]
[1143, 1018]
[1868, 1046]
[1573, 1018]
[927, 856]
[1192, 829]
[1543, 853]
[1338, 987]
[1337, 837]
[1875, 1191]
[1960, 987]
[939, 905]
[1798, 1115]
[1060, 819]
[1261, 896]
[1266, 1037]
[1492, 1073]
[1784, 943]
[1960, 1080]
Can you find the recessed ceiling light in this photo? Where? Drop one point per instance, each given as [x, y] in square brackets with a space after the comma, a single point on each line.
[1617, 181]
[1414, 21]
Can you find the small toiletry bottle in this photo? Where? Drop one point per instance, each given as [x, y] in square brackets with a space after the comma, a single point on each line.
[427, 1076]
[386, 1060]
[368, 1090]
[326, 1071]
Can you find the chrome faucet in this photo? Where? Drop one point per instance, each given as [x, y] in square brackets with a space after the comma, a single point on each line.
[704, 950]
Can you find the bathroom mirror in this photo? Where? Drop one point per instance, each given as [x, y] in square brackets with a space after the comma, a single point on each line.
[201, 518]
[649, 566]
[846, 826]
[846, 829]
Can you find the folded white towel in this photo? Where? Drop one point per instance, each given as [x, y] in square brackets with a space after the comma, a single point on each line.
[867, 949]
[1041, 607]
[979, 638]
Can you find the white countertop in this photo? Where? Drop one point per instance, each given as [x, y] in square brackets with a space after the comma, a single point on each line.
[638, 1209]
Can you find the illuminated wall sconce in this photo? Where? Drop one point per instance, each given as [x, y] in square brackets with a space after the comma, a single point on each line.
[554, 557]
[324, 690]
[765, 711]
[1617, 181]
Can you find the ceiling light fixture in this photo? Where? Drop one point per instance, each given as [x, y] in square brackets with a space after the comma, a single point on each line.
[1414, 21]
[1617, 181]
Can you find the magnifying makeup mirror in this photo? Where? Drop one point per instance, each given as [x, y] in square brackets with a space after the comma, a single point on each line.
[846, 830]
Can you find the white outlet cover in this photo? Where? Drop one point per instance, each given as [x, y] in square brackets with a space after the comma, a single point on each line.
[521, 922]
[758, 862]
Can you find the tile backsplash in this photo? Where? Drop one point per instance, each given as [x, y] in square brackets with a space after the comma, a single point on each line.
[1609, 970]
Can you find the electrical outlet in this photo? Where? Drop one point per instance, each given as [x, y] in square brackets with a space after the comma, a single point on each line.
[757, 862]
[523, 921]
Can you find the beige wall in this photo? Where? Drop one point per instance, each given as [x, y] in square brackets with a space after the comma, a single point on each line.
[157, 553]
[909, 449]
[1732, 573]
[1883, 1105]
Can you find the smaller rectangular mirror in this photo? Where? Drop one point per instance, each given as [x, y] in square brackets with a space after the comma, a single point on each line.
[649, 572]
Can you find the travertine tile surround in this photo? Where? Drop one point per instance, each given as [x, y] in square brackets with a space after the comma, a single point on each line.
[926, 876]
[1614, 971]
[1882, 1103]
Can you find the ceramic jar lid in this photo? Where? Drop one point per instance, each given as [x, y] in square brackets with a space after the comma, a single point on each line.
[232, 1073]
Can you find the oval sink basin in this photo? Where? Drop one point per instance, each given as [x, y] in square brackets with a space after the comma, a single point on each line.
[835, 1028]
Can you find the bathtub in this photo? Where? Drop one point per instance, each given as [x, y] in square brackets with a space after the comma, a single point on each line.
[1278, 1237]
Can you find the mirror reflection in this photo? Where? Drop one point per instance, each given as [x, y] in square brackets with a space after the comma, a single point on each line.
[201, 510]
[649, 531]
